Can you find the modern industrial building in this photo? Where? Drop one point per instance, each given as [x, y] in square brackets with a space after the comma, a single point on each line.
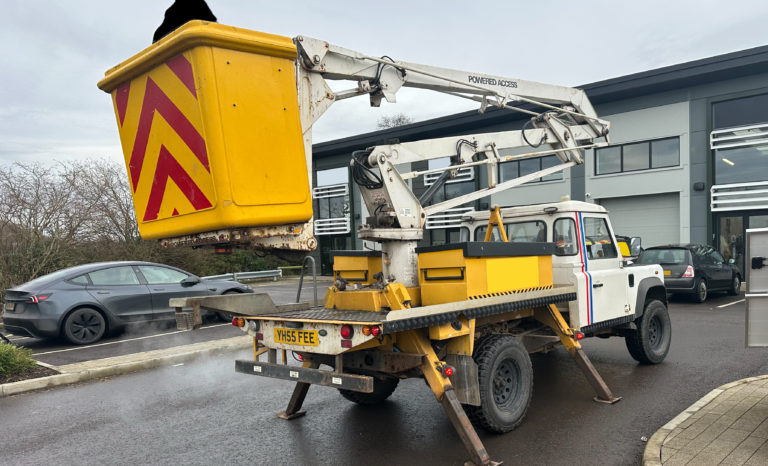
[688, 161]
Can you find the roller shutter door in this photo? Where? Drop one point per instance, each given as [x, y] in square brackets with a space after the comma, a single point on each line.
[655, 218]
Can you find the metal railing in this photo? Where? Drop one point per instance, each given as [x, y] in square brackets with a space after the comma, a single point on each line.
[274, 274]
[450, 218]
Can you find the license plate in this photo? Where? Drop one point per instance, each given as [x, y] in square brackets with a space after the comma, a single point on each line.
[9, 306]
[667, 272]
[291, 336]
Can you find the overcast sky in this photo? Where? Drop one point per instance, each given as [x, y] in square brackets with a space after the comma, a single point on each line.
[54, 52]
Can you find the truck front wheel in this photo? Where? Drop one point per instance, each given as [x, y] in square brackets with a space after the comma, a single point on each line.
[506, 384]
[649, 344]
[382, 389]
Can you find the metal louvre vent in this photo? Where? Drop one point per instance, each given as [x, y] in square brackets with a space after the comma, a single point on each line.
[450, 218]
[740, 196]
[464, 174]
[742, 136]
[332, 226]
[330, 191]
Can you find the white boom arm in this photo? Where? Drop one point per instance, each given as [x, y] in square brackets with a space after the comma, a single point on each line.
[565, 121]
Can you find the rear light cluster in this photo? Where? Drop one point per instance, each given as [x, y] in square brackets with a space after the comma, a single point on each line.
[374, 330]
[347, 331]
[688, 272]
[38, 298]
[238, 322]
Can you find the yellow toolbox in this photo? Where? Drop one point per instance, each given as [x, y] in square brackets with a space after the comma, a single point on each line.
[356, 266]
[209, 124]
[474, 270]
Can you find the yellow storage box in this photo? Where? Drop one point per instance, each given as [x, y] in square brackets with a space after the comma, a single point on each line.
[475, 270]
[356, 266]
[210, 129]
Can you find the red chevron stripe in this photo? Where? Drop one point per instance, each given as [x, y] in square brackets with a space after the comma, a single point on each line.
[121, 99]
[182, 68]
[168, 167]
[156, 100]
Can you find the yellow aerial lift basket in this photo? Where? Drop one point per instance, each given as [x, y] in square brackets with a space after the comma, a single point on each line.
[211, 134]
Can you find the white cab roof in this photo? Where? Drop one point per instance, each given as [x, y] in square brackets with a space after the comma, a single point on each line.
[538, 209]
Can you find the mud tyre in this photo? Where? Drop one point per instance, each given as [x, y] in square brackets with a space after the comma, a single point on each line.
[506, 384]
[650, 343]
[382, 389]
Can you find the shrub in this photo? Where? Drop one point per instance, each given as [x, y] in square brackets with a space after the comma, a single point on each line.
[15, 360]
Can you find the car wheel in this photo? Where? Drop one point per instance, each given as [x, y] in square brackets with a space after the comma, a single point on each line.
[226, 316]
[84, 326]
[505, 378]
[649, 344]
[735, 288]
[382, 389]
[700, 295]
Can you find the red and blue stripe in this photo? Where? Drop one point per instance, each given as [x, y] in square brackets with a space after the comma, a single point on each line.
[584, 266]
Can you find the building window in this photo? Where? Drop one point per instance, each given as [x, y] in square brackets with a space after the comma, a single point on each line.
[517, 168]
[638, 156]
[445, 236]
[740, 140]
[332, 206]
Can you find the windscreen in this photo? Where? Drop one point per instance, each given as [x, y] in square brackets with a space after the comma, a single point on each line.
[663, 256]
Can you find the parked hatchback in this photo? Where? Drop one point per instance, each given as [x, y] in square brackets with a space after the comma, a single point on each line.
[694, 269]
[82, 303]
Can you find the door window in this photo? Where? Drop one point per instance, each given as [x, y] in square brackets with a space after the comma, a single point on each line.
[598, 237]
[565, 237]
[161, 275]
[114, 276]
[703, 257]
[716, 257]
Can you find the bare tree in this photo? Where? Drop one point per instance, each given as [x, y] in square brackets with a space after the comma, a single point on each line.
[393, 121]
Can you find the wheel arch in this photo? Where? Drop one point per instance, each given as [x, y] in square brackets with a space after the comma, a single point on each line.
[649, 288]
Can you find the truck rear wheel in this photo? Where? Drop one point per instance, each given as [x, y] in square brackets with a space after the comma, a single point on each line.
[506, 384]
[649, 344]
[382, 389]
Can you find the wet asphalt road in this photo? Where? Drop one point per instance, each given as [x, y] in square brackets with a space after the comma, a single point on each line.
[137, 338]
[203, 413]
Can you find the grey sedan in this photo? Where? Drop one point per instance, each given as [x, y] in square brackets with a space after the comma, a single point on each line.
[83, 303]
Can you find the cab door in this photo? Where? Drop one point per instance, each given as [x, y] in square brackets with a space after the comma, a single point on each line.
[602, 267]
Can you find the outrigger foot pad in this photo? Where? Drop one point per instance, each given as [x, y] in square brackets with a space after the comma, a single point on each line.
[608, 402]
[288, 417]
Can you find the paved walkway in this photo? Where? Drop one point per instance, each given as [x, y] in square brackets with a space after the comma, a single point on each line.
[727, 427]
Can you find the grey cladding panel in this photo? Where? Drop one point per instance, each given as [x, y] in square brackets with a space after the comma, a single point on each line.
[655, 218]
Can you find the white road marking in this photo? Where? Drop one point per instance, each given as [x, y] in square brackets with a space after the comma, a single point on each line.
[125, 341]
[177, 365]
[731, 304]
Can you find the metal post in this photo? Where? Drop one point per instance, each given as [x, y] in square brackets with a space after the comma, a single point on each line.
[301, 278]
[297, 399]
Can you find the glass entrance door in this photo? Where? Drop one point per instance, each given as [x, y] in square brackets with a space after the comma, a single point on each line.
[330, 243]
[730, 238]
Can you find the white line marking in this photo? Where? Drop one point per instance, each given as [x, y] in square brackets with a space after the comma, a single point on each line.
[125, 341]
[177, 365]
[731, 304]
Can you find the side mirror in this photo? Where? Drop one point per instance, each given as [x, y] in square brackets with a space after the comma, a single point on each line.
[191, 280]
[635, 246]
[731, 261]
